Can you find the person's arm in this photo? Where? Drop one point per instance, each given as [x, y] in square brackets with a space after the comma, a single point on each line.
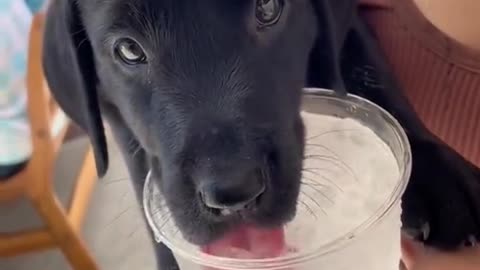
[456, 18]
[415, 255]
[418, 257]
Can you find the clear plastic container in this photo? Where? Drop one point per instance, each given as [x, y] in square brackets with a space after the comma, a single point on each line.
[349, 209]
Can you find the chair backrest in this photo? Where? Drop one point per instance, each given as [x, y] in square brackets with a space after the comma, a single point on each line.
[47, 121]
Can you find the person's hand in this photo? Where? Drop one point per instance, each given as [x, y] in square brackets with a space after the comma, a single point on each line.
[418, 257]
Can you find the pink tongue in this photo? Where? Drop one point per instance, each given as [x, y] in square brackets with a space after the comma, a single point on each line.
[249, 243]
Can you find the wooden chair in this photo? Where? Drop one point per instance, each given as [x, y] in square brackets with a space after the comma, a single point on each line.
[34, 183]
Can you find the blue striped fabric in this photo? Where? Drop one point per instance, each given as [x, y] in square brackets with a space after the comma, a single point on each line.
[15, 20]
[34, 5]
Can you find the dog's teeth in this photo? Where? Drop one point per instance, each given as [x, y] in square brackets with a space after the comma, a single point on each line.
[226, 212]
[420, 233]
[471, 241]
[425, 231]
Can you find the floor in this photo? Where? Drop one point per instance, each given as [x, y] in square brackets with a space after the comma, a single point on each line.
[114, 229]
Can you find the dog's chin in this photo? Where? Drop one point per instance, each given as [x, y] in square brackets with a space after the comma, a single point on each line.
[206, 230]
[200, 226]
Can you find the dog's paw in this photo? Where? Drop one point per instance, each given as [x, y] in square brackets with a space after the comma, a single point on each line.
[441, 206]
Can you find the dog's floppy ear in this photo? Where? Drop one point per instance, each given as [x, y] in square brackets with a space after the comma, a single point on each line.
[334, 20]
[69, 68]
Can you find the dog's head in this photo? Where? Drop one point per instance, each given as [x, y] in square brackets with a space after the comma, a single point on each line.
[210, 89]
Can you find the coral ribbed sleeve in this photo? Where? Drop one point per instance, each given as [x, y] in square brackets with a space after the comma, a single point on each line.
[440, 76]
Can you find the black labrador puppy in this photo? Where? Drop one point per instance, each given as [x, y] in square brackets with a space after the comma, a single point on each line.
[206, 94]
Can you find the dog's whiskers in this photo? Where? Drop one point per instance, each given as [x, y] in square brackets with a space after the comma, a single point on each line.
[318, 169]
[309, 210]
[331, 132]
[316, 181]
[319, 191]
[316, 145]
[314, 201]
[334, 161]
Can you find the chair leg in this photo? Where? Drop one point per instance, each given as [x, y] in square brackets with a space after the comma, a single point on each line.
[85, 183]
[66, 237]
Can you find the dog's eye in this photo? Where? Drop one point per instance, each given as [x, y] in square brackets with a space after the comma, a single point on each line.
[268, 11]
[130, 52]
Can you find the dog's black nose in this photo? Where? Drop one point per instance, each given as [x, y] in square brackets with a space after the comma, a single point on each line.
[232, 194]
